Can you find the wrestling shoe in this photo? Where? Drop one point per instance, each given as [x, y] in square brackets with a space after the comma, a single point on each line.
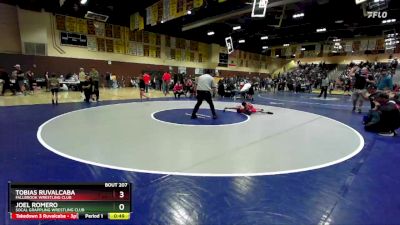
[386, 134]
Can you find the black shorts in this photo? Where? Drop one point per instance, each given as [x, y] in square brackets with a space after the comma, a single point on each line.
[54, 90]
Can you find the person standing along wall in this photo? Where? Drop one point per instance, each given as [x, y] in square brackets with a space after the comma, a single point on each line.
[4, 81]
[359, 88]
[54, 85]
[166, 79]
[324, 87]
[146, 79]
[94, 75]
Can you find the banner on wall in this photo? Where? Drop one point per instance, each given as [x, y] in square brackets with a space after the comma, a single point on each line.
[183, 55]
[173, 42]
[154, 14]
[119, 47]
[136, 22]
[187, 53]
[181, 8]
[91, 28]
[166, 10]
[100, 28]
[380, 44]
[318, 48]
[60, 22]
[356, 46]
[364, 45]
[189, 4]
[153, 51]
[148, 15]
[371, 44]
[101, 44]
[172, 8]
[81, 26]
[132, 48]
[197, 3]
[110, 45]
[117, 32]
[152, 38]
[109, 30]
[349, 46]
[178, 55]
[92, 43]
[70, 24]
[140, 50]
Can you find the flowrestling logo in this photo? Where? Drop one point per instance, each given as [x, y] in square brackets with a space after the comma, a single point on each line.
[380, 15]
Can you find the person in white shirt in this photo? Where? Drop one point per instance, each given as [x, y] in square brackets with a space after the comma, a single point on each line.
[205, 85]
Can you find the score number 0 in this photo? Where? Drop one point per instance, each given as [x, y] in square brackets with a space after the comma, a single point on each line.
[121, 195]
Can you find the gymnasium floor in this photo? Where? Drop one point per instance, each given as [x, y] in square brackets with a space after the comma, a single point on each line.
[309, 163]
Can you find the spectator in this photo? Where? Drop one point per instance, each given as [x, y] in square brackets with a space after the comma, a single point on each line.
[359, 88]
[324, 86]
[87, 88]
[221, 88]
[146, 79]
[178, 89]
[4, 81]
[31, 80]
[384, 118]
[166, 78]
[82, 77]
[54, 85]
[385, 81]
[20, 79]
[95, 77]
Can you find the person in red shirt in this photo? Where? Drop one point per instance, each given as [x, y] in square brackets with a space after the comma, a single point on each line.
[166, 78]
[247, 109]
[146, 79]
[178, 90]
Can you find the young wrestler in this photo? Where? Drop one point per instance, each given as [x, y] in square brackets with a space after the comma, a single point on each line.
[142, 87]
[247, 109]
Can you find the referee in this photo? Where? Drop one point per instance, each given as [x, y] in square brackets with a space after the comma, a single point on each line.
[205, 85]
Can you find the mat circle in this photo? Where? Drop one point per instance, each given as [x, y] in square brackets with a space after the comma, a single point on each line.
[204, 117]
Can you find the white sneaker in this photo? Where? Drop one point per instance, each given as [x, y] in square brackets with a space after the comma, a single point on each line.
[386, 134]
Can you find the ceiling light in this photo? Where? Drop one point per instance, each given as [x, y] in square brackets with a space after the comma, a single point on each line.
[321, 30]
[242, 41]
[83, 2]
[389, 21]
[264, 38]
[298, 15]
[211, 33]
[265, 47]
[237, 28]
[189, 12]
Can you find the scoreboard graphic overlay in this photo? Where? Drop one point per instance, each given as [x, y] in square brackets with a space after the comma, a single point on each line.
[70, 201]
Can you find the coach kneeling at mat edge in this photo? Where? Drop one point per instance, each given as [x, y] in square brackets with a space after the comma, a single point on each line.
[205, 84]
